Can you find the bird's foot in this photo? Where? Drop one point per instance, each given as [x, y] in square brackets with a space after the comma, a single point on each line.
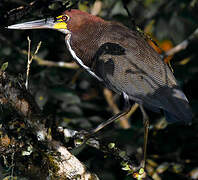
[141, 174]
[81, 137]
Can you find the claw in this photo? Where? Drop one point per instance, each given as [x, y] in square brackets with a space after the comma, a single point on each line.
[80, 138]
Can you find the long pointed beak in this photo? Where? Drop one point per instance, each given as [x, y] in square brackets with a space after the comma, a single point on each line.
[38, 24]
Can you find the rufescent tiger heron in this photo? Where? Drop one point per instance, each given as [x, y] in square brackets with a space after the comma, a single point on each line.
[123, 61]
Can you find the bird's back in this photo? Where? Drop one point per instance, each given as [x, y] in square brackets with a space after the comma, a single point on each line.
[128, 64]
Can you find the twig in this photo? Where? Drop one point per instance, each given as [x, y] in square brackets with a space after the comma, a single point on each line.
[40, 61]
[183, 45]
[137, 28]
[43, 62]
[40, 5]
[96, 8]
[28, 63]
[30, 59]
[133, 109]
[20, 8]
[129, 14]
[19, 12]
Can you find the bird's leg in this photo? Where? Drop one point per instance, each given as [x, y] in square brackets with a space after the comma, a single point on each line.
[115, 117]
[86, 135]
[109, 121]
[83, 136]
[146, 130]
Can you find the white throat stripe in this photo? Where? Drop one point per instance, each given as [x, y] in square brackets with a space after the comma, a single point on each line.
[68, 37]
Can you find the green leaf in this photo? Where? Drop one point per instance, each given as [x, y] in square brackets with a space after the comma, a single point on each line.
[4, 66]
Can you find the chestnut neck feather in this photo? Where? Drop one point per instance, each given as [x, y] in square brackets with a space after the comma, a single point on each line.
[87, 31]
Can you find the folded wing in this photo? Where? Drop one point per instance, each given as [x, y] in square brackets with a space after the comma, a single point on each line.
[130, 65]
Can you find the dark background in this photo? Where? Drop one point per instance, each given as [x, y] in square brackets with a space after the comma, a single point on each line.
[76, 100]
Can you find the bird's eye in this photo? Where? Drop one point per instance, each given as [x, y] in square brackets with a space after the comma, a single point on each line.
[65, 18]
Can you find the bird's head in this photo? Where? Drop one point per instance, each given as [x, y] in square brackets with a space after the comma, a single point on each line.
[69, 21]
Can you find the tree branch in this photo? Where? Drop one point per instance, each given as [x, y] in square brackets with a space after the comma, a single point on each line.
[183, 45]
[61, 162]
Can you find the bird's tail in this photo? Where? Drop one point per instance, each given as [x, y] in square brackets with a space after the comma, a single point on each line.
[177, 107]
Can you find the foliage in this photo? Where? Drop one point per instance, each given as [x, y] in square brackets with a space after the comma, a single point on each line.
[76, 100]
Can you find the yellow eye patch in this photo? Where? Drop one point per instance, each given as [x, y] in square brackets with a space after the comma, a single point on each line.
[61, 22]
[60, 25]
